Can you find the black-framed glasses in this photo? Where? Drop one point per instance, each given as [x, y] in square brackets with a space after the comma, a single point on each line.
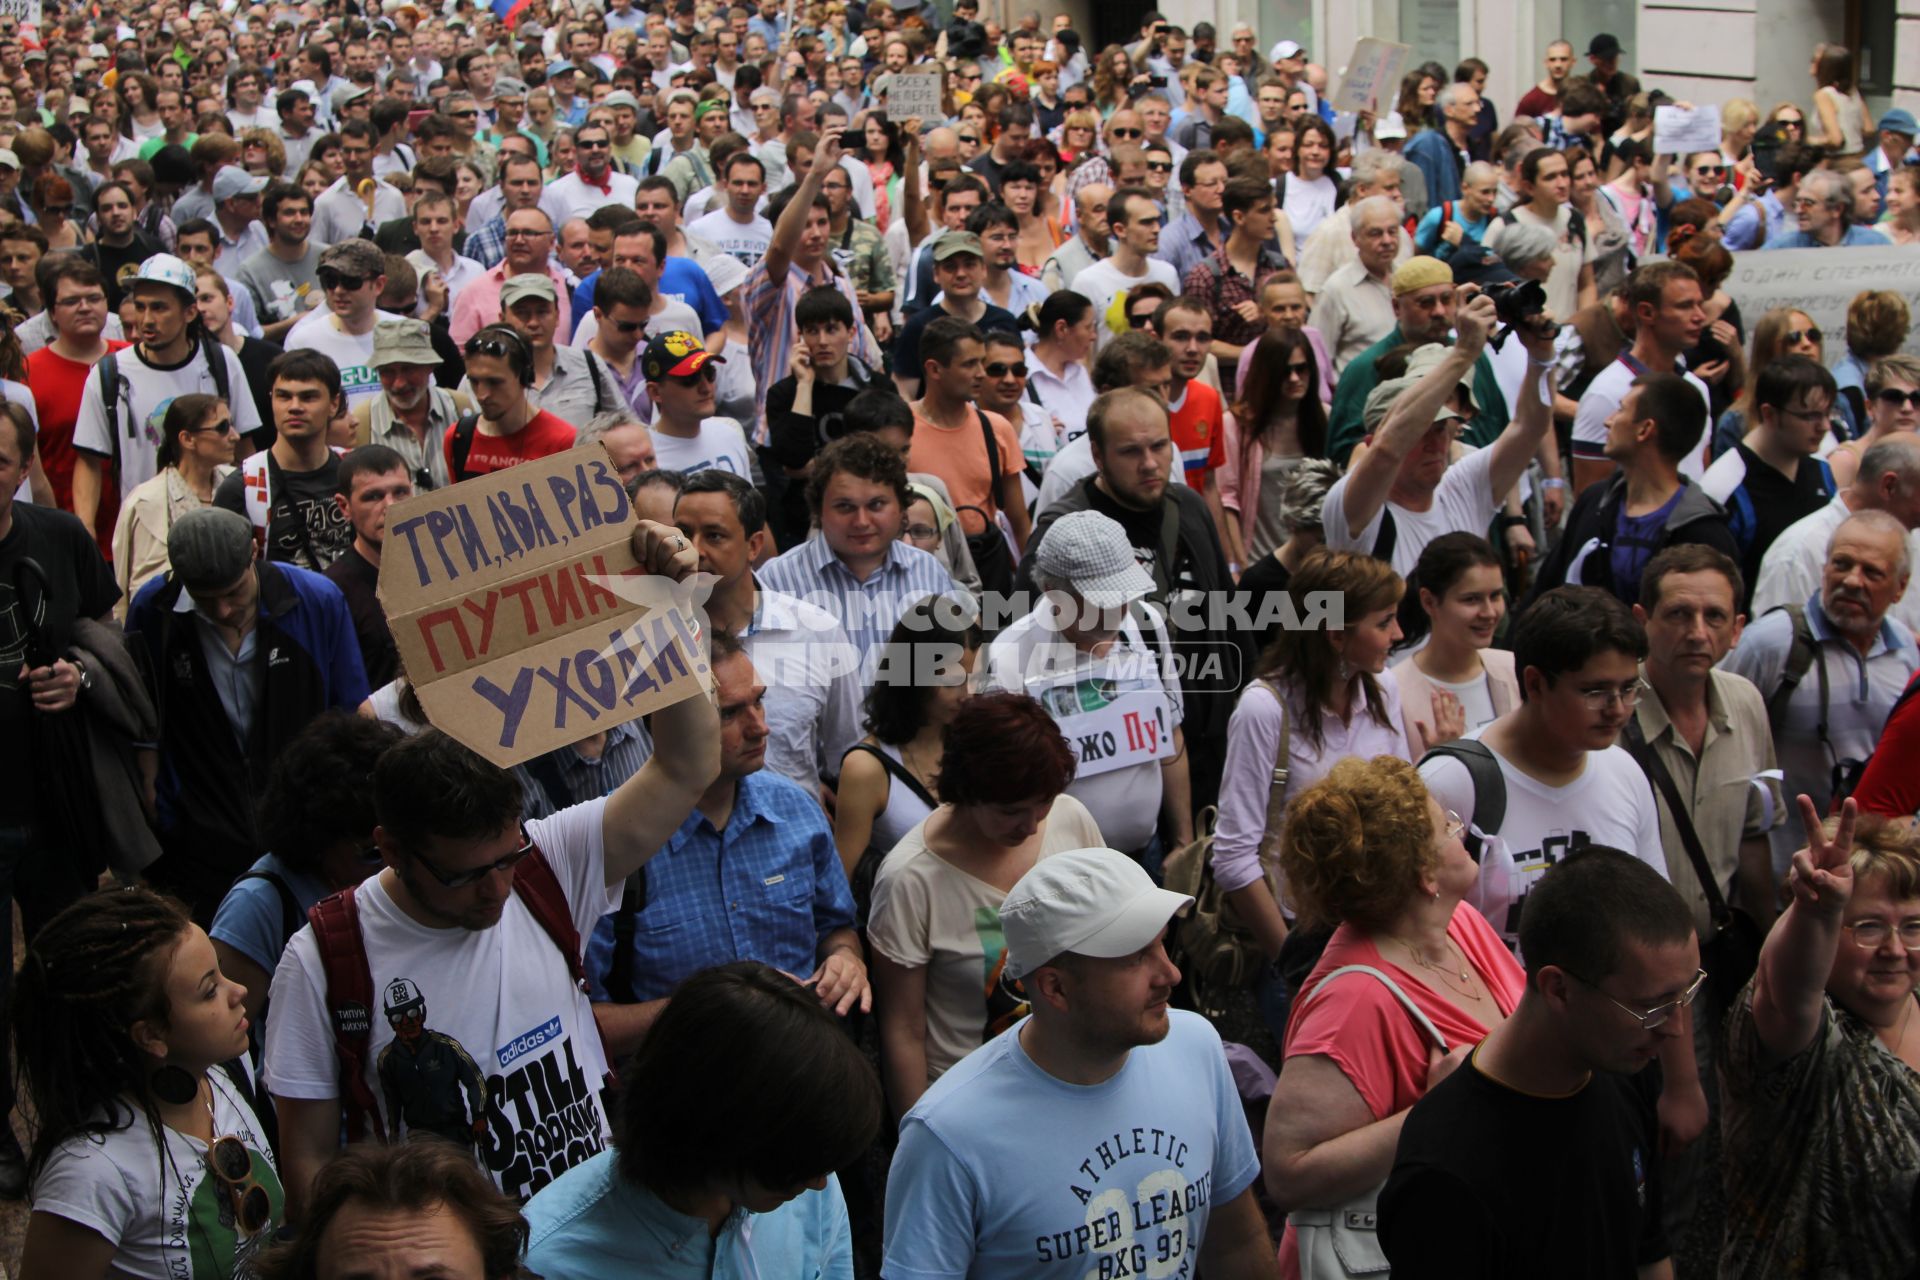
[339, 280]
[1140, 319]
[1002, 370]
[1161, 167]
[1129, 133]
[1716, 170]
[461, 879]
[1896, 397]
[580, 145]
[1658, 1015]
[527, 233]
[231, 1164]
[971, 139]
[1795, 336]
[464, 115]
[630, 326]
[1869, 935]
[705, 373]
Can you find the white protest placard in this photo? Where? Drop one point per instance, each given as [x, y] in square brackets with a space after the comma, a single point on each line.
[1822, 282]
[915, 93]
[1680, 131]
[1110, 718]
[522, 618]
[1372, 75]
[26, 12]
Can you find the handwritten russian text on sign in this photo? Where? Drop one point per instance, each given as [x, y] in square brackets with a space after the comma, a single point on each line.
[1681, 131]
[521, 616]
[914, 93]
[26, 12]
[1372, 76]
[1110, 721]
[1822, 282]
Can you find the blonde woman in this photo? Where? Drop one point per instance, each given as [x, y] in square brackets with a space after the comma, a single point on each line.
[1739, 121]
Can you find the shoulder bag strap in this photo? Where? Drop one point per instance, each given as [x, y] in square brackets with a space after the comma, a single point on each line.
[546, 900]
[1656, 770]
[277, 491]
[1282, 768]
[343, 962]
[993, 463]
[633, 900]
[899, 772]
[1419, 1015]
[463, 431]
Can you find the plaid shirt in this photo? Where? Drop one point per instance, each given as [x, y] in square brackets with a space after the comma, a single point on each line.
[1215, 279]
[866, 610]
[488, 245]
[769, 886]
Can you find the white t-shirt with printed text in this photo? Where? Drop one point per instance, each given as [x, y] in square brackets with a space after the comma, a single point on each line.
[501, 999]
[746, 241]
[720, 446]
[319, 330]
[147, 391]
[1610, 803]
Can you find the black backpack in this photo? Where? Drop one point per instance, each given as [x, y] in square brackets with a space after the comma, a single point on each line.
[110, 388]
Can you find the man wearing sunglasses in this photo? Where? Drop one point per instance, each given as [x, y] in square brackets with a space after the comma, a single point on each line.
[352, 274]
[681, 379]
[593, 182]
[1612, 965]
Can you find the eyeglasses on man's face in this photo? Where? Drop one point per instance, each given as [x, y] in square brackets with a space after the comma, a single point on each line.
[1659, 1014]
[461, 879]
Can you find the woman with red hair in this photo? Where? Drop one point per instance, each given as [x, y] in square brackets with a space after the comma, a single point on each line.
[938, 953]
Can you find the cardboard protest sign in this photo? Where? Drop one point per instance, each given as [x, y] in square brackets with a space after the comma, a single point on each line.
[1682, 131]
[914, 93]
[1823, 282]
[521, 616]
[1112, 716]
[1372, 76]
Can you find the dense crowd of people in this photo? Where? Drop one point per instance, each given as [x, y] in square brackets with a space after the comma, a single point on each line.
[1286, 691]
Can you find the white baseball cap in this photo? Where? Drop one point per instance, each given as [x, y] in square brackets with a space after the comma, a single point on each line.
[1285, 49]
[1091, 902]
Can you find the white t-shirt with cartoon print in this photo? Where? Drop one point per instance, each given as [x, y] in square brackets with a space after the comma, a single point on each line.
[167, 1216]
[480, 1037]
[147, 391]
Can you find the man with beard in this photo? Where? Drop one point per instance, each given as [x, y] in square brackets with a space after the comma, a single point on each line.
[411, 415]
[284, 277]
[118, 249]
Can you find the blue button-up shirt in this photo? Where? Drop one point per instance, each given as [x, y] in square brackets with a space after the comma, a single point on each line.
[769, 886]
[867, 609]
[592, 1222]
[1855, 235]
[1184, 245]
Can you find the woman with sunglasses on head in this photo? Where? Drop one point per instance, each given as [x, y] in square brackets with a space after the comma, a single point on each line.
[1277, 423]
[1820, 1069]
[147, 1158]
[197, 441]
[1369, 852]
[1780, 332]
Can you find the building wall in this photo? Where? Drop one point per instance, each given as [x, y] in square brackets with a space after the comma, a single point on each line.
[1698, 50]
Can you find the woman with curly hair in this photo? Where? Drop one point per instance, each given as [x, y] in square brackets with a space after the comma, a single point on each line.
[147, 1158]
[262, 153]
[1112, 74]
[1370, 852]
[139, 114]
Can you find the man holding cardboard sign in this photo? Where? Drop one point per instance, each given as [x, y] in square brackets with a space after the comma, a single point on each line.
[472, 902]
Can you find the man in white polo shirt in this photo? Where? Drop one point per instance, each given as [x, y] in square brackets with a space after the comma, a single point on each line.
[1100, 1132]
[352, 274]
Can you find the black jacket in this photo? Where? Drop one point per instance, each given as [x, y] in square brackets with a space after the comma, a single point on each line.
[1193, 577]
[1695, 518]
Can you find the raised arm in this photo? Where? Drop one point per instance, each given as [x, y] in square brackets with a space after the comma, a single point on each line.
[1412, 415]
[793, 219]
[1533, 416]
[650, 806]
[1798, 955]
[915, 194]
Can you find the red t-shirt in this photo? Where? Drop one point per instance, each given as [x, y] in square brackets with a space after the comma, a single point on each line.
[1369, 1034]
[1891, 783]
[1199, 433]
[543, 436]
[57, 383]
[1537, 102]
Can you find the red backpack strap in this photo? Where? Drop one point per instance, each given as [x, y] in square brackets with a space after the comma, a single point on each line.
[343, 960]
[546, 901]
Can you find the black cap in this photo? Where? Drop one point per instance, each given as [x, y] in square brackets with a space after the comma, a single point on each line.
[1604, 46]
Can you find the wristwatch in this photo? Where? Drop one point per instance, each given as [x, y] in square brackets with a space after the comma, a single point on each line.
[86, 676]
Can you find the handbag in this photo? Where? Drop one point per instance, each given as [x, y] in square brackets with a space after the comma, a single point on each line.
[1217, 953]
[1732, 954]
[1344, 1241]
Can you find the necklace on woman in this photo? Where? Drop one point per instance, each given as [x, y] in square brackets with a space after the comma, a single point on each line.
[1447, 972]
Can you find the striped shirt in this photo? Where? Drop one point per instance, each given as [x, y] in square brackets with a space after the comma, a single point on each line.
[564, 777]
[866, 610]
[771, 333]
[812, 674]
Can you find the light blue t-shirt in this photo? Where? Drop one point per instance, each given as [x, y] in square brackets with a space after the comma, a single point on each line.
[252, 917]
[1004, 1171]
[590, 1221]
